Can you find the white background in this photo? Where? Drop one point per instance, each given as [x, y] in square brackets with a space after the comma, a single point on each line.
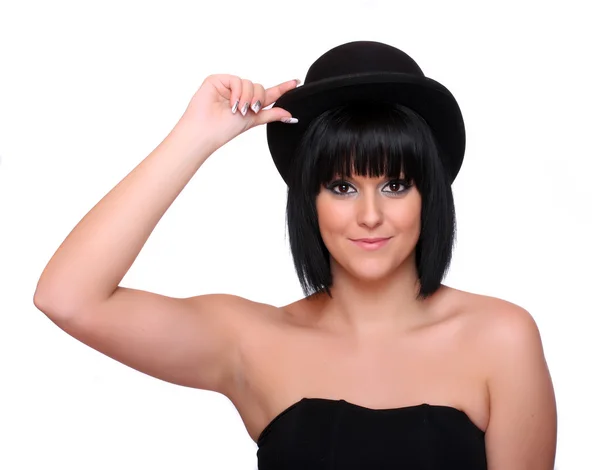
[89, 89]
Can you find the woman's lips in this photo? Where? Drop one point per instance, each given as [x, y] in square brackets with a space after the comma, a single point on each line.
[375, 245]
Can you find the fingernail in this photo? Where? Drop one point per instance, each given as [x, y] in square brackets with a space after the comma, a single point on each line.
[234, 109]
[298, 81]
[290, 120]
[245, 109]
[256, 106]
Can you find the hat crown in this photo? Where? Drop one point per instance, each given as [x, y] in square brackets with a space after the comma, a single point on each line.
[367, 71]
[361, 57]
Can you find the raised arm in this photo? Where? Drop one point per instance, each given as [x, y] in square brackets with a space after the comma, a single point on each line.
[190, 341]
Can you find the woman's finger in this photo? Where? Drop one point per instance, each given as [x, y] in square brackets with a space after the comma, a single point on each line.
[235, 85]
[246, 97]
[274, 93]
[258, 99]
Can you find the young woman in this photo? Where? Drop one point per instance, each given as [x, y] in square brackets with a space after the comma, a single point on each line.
[380, 365]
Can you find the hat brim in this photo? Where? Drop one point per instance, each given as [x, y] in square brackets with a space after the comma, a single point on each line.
[428, 98]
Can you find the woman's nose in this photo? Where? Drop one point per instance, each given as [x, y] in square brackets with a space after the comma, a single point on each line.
[369, 209]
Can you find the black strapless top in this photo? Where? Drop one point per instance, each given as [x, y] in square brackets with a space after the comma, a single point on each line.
[322, 433]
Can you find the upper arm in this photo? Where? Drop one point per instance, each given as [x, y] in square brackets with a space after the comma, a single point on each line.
[522, 429]
[191, 342]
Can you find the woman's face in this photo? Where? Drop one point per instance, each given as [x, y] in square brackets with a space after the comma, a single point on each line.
[363, 207]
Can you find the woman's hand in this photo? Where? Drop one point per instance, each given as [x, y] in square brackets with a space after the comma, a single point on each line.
[226, 105]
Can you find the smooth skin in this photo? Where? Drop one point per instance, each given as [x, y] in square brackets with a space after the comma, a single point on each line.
[374, 303]
[200, 341]
[370, 285]
[188, 341]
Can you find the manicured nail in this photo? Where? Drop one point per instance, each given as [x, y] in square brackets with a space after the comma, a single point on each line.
[234, 109]
[256, 106]
[298, 81]
[289, 120]
[245, 109]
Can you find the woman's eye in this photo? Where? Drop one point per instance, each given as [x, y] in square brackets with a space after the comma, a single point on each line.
[397, 186]
[344, 187]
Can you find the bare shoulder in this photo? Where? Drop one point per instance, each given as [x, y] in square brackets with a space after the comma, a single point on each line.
[498, 331]
[238, 307]
[522, 427]
[239, 313]
[504, 324]
[495, 319]
[244, 322]
[510, 335]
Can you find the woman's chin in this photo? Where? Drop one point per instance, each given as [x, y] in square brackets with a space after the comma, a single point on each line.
[366, 270]
[371, 273]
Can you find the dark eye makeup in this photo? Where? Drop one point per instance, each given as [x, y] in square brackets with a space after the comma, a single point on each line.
[340, 182]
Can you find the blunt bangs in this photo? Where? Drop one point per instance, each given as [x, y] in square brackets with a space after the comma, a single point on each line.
[370, 140]
[366, 139]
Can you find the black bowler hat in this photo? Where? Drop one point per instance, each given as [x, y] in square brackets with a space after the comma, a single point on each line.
[367, 70]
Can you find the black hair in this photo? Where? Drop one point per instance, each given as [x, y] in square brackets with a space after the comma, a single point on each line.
[373, 139]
